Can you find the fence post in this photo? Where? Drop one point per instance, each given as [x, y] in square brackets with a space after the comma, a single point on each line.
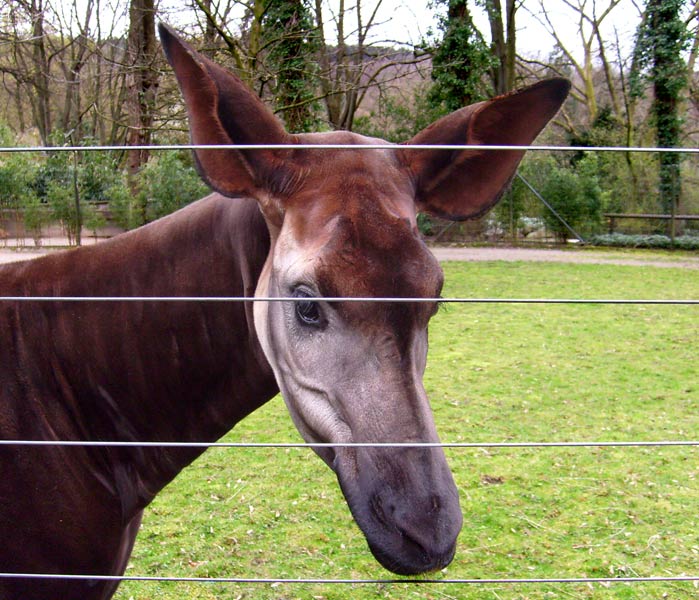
[673, 214]
[76, 195]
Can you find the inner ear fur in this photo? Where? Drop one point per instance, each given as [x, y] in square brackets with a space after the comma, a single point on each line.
[463, 184]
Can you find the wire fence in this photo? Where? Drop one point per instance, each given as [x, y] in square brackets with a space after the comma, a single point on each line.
[516, 445]
[216, 299]
[323, 581]
[532, 444]
[359, 147]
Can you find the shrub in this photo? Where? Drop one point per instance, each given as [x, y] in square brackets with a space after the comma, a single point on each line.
[122, 205]
[18, 174]
[55, 182]
[169, 182]
[621, 240]
[575, 194]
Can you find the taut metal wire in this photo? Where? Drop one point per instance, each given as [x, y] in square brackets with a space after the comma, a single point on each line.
[491, 445]
[621, 301]
[448, 147]
[316, 581]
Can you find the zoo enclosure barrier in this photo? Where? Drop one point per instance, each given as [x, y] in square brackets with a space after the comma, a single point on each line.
[513, 445]
[612, 218]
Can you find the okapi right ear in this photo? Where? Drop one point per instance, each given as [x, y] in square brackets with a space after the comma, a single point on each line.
[463, 184]
[222, 110]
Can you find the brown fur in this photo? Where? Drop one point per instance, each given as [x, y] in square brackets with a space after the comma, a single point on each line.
[129, 371]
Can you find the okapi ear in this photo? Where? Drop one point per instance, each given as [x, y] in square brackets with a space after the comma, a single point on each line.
[463, 184]
[222, 110]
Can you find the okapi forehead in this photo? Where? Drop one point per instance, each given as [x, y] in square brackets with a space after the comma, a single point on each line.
[377, 255]
[346, 183]
[360, 203]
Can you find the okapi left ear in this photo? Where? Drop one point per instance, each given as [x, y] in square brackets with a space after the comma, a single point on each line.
[463, 184]
[223, 111]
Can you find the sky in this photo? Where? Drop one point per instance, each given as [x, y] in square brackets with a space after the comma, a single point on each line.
[408, 20]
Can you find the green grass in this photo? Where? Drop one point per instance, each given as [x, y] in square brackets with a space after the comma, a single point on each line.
[495, 373]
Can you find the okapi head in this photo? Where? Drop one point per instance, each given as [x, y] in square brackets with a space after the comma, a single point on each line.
[343, 224]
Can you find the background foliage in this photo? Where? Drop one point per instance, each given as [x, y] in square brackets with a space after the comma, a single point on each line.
[76, 73]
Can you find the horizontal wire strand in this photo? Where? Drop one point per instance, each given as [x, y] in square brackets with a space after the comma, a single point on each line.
[611, 301]
[342, 581]
[446, 147]
[505, 445]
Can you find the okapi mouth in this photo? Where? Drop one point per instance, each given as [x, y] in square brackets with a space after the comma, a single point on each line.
[414, 561]
[411, 525]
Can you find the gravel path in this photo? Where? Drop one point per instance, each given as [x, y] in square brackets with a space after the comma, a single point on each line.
[7, 255]
[485, 254]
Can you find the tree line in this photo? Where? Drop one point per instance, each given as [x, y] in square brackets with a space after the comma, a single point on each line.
[85, 73]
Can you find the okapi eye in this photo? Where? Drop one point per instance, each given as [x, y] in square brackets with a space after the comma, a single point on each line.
[307, 311]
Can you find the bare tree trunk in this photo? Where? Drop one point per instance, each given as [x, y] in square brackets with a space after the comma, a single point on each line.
[331, 95]
[503, 34]
[41, 78]
[346, 70]
[243, 57]
[209, 29]
[629, 110]
[76, 50]
[693, 53]
[142, 84]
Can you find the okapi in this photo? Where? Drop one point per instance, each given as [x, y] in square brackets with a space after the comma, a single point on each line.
[294, 222]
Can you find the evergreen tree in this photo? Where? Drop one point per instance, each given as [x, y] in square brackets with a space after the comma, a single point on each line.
[462, 62]
[660, 41]
[289, 32]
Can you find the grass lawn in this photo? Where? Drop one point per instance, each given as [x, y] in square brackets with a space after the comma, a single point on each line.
[495, 373]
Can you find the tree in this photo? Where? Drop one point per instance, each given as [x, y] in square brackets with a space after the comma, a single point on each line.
[354, 65]
[27, 61]
[62, 70]
[461, 61]
[602, 111]
[142, 77]
[503, 35]
[693, 30]
[289, 33]
[242, 38]
[291, 54]
[590, 17]
[660, 41]
[575, 195]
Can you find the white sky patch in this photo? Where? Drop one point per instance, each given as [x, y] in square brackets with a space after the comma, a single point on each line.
[409, 21]
[404, 21]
